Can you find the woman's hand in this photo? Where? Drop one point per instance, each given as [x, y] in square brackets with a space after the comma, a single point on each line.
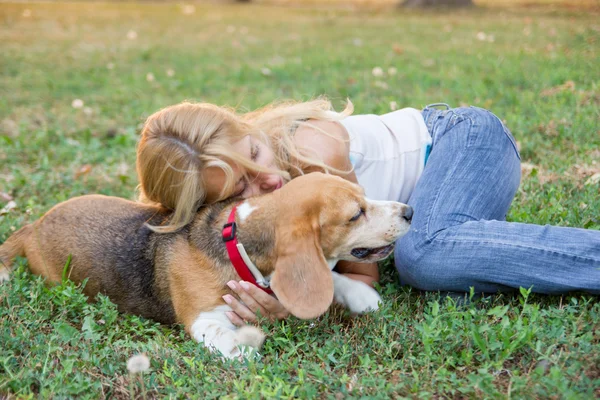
[253, 300]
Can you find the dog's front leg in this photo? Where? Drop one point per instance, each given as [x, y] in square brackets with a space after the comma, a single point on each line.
[214, 329]
[357, 296]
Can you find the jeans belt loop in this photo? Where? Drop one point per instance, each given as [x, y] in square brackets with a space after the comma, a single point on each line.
[435, 105]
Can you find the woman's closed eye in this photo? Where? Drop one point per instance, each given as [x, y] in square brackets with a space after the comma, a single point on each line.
[254, 152]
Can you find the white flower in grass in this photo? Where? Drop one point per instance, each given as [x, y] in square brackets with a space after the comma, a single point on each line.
[138, 363]
[357, 42]
[77, 103]
[26, 13]
[170, 72]
[110, 66]
[132, 35]
[150, 77]
[393, 105]
[377, 71]
[392, 71]
[481, 36]
[265, 71]
[88, 111]
[230, 29]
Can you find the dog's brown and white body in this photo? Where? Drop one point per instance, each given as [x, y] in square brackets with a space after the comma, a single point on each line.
[294, 236]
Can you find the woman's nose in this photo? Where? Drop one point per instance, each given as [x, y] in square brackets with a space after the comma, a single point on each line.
[268, 182]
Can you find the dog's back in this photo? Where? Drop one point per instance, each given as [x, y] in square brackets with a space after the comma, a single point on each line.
[108, 243]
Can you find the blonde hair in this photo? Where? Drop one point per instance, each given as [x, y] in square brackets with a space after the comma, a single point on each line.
[178, 142]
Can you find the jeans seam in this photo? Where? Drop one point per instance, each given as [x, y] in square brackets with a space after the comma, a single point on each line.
[502, 243]
[507, 132]
[429, 236]
[459, 117]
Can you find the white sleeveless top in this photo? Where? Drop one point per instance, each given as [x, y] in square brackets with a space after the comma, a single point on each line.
[388, 152]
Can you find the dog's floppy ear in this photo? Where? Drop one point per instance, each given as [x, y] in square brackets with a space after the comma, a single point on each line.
[302, 280]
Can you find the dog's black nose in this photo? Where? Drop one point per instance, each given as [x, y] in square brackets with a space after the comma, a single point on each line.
[407, 213]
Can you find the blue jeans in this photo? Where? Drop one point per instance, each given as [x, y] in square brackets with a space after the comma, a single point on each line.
[459, 237]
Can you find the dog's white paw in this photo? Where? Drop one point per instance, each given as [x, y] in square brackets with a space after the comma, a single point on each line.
[4, 274]
[216, 332]
[365, 299]
[250, 340]
[250, 336]
[357, 296]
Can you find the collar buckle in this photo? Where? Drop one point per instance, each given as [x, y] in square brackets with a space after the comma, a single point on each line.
[227, 237]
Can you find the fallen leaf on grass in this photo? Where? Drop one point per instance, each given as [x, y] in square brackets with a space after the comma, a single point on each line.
[527, 168]
[589, 173]
[568, 85]
[594, 179]
[10, 206]
[532, 170]
[84, 170]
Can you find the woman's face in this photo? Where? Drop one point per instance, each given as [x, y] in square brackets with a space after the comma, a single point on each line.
[256, 183]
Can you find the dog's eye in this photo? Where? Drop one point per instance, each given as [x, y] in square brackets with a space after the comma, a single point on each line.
[357, 216]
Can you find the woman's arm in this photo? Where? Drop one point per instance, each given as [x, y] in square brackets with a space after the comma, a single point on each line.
[334, 150]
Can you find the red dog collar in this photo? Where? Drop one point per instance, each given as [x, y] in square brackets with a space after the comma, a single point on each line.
[238, 256]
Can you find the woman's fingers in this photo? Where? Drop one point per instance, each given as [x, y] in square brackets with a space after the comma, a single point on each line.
[254, 300]
[235, 319]
[239, 308]
[247, 298]
[272, 306]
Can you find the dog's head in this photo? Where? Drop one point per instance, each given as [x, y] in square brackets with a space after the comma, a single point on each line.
[323, 219]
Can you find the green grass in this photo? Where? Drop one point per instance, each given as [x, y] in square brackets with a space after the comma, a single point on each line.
[54, 344]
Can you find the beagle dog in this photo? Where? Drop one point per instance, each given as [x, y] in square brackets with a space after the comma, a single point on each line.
[293, 236]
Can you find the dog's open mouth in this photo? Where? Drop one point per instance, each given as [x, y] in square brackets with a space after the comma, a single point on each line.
[375, 253]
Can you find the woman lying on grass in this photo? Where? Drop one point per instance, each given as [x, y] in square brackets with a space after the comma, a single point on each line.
[458, 168]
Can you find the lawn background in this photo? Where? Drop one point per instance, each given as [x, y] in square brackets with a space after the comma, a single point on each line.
[78, 79]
